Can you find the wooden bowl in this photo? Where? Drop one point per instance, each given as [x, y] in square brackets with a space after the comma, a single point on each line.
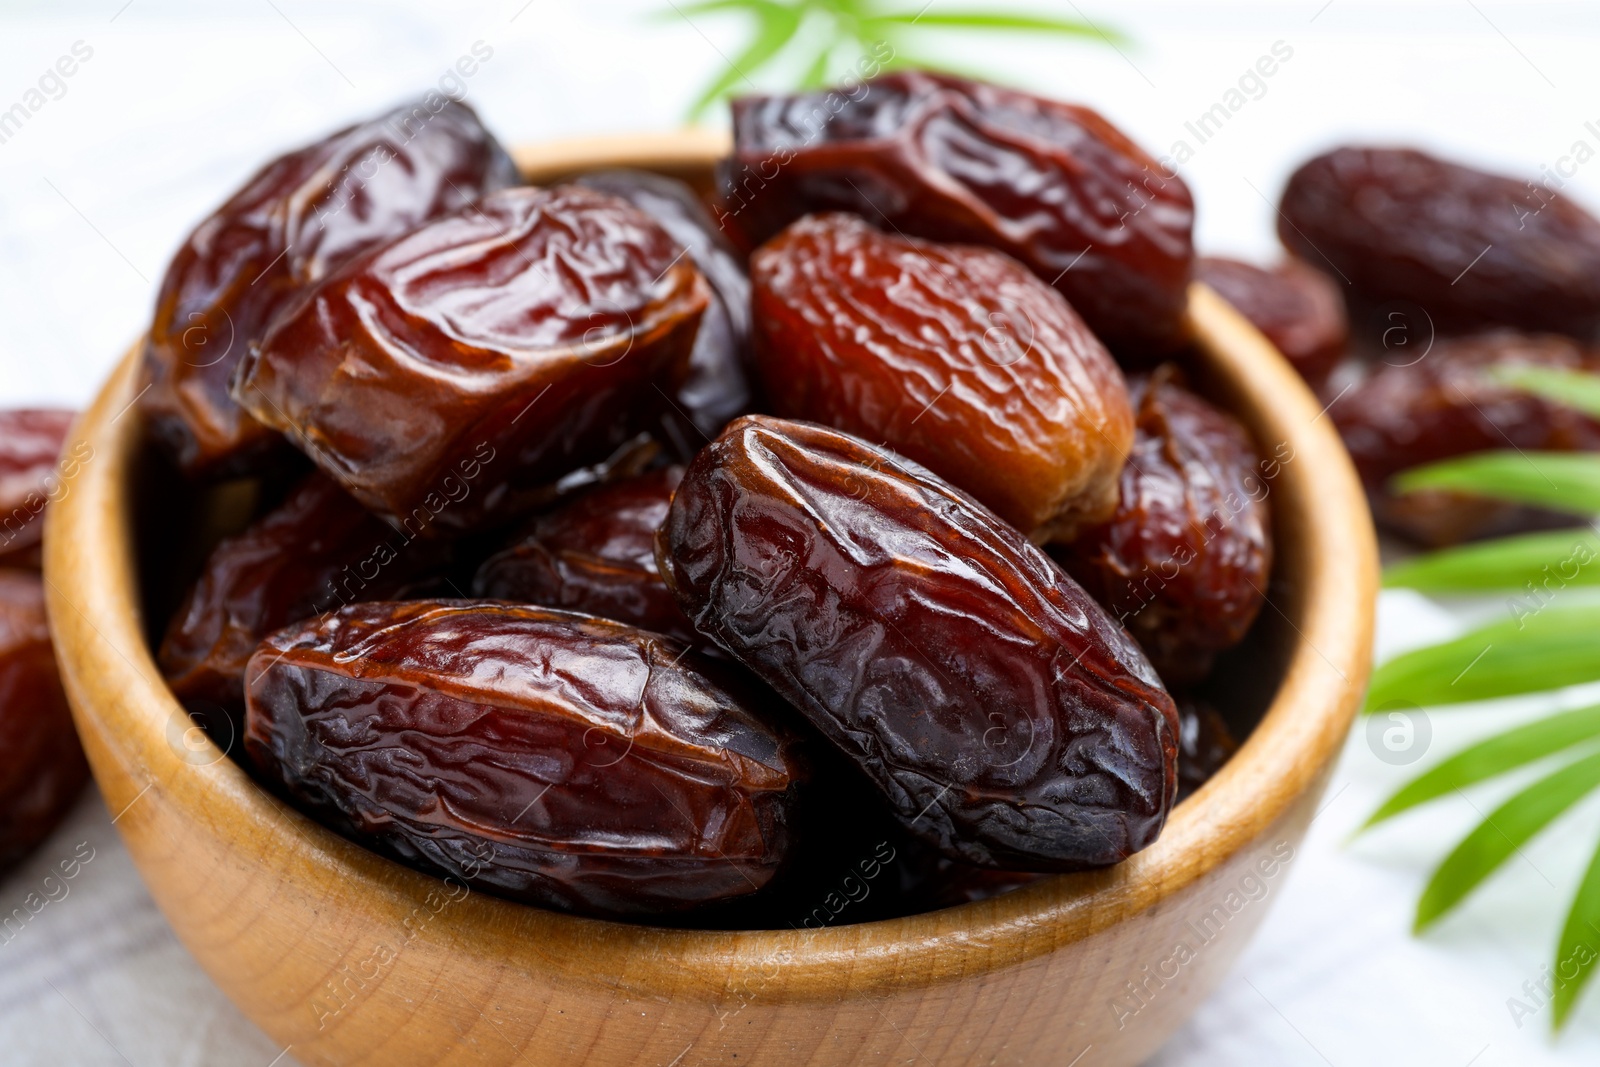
[348, 958]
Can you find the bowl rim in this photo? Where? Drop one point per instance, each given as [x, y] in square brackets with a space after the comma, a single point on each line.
[1330, 557]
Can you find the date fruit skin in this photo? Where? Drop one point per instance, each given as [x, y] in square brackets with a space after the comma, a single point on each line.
[717, 387]
[554, 758]
[1184, 562]
[498, 347]
[1205, 743]
[36, 467]
[930, 155]
[1005, 717]
[42, 769]
[595, 555]
[952, 355]
[293, 223]
[1299, 309]
[1471, 248]
[1445, 404]
[314, 553]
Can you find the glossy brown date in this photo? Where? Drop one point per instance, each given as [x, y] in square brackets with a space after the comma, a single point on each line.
[595, 555]
[494, 349]
[716, 388]
[295, 221]
[42, 769]
[36, 467]
[1184, 561]
[1052, 185]
[554, 758]
[1446, 404]
[1470, 248]
[1005, 717]
[1298, 309]
[952, 355]
[316, 552]
[1205, 743]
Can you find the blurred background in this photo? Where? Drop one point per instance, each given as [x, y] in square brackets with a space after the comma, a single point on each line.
[172, 105]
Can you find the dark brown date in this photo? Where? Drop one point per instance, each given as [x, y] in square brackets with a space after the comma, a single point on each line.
[1205, 743]
[1004, 715]
[1298, 309]
[716, 388]
[494, 349]
[1184, 562]
[298, 219]
[1053, 185]
[1447, 404]
[35, 468]
[316, 552]
[42, 769]
[952, 355]
[555, 758]
[1470, 248]
[595, 555]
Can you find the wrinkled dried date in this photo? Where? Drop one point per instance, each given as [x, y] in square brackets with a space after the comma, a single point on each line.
[494, 349]
[35, 468]
[716, 388]
[42, 769]
[1447, 404]
[555, 758]
[314, 553]
[1053, 185]
[954, 356]
[1003, 714]
[1204, 744]
[299, 218]
[1298, 309]
[1471, 248]
[1185, 560]
[595, 555]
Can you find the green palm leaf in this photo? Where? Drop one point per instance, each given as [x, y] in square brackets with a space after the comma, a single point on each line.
[1542, 649]
[1495, 755]
[853, 23]
[775, 27]
[1575, 389]
[1579, 947]
[1563, 481]
[1562, 557]
[1506, 830]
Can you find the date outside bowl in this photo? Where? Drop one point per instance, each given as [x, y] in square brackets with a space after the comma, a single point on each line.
[348, 958]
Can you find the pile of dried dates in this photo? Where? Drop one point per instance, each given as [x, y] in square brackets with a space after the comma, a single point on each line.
[726, 555]
[1414, 284]
[42, 769]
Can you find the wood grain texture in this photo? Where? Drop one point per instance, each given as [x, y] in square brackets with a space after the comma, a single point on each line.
[350, 959]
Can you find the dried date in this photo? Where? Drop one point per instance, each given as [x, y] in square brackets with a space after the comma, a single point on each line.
[316, 552]
[1448, 404]
[717, 387]
[36, 467]
[1205, 743]
[1055, 186]
[295, 221]
[555, 758]
[1004, 715]
[1184, 561]
[42, 769]
[495, 349]
[952, 355]
[595, 555]
[1470, 248]
[1298, 309]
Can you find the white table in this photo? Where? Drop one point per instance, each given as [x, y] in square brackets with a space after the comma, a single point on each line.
[179, 101]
